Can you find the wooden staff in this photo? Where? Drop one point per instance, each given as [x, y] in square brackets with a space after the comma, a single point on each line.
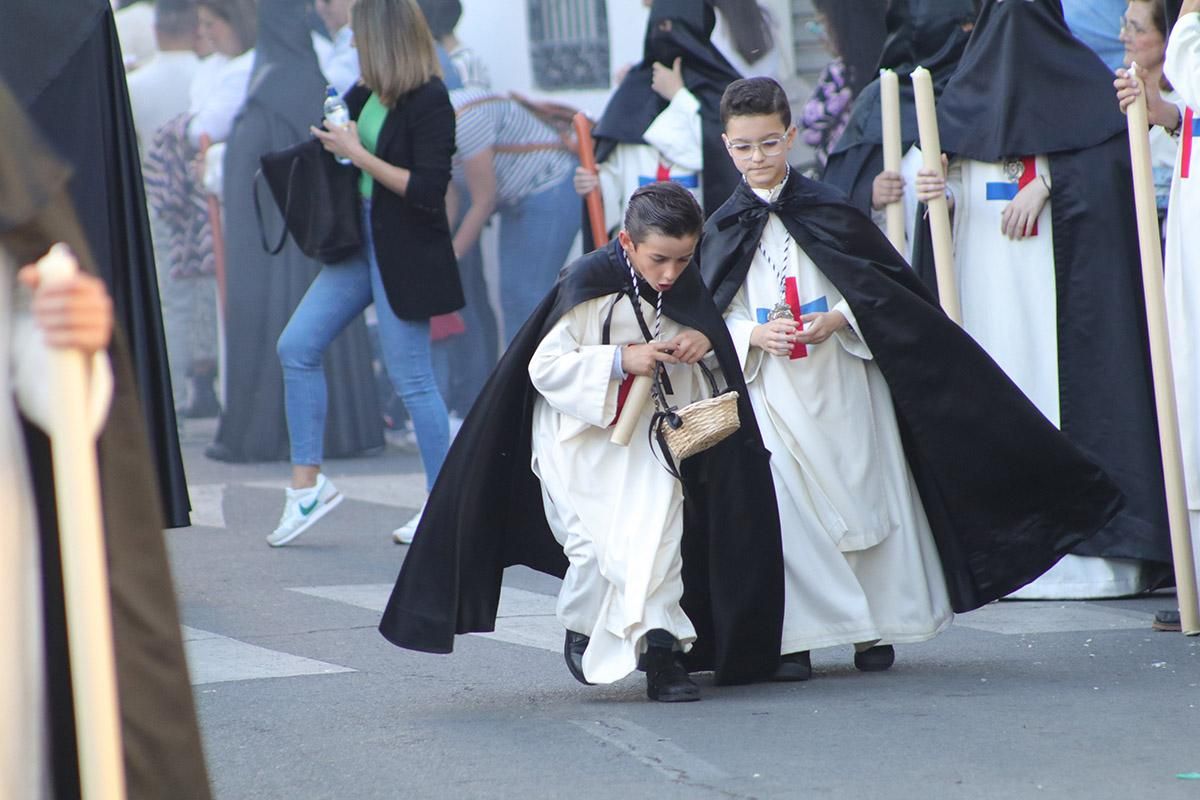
[214, 224]
[939, 209]
[84, 562]
[889, 97]
[1160, 358]
[594, 200]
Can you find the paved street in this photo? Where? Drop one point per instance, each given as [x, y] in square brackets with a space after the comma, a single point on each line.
[300, 697]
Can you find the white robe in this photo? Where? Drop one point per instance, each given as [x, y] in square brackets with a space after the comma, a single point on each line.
[674, 140]
[24, 754]
[1010, 307]
[860, 563]
[1183, 264]
[615, 510]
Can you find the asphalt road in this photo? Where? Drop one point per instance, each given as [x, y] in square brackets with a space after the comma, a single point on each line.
[300, 697]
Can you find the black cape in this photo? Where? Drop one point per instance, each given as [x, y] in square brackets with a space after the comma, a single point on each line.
[921, 33]
[160, 736]
[63, 62]
[1106, 394]
[486, 511]
[285, 97]
[1005, 493]
[706, 73]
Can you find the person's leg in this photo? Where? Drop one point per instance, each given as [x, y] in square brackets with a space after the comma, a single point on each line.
[337, 295]
[405, 347]
[535, 237]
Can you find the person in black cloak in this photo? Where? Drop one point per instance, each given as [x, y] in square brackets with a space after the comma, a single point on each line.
[1049, 271]
[920, 33]
[513, 486]
[662, 122]
[285, 97]
[64, 63]
[160, 736]
[913, 477]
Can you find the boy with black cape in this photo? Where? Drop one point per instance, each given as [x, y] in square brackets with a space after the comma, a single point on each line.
[656, 564]
[920, 33]
[160, 736]
[643, 136]
[913, 477]
[1049, 272]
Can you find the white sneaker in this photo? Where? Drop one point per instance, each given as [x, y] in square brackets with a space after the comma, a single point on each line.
[404, 534]
[302, 508]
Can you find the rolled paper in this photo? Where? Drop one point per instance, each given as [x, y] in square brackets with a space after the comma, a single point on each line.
[635, 401]
[84, 563]
[587, 160]
[939, 209]
[1137, 118]
[889, 96]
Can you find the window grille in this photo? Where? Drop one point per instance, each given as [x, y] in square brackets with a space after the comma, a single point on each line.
[569, 44]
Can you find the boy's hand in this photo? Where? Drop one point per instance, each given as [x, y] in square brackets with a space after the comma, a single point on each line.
[667, 81]
[931, 185]
[820, 325]
[887, 188]
[775, 337]
[76, 313]
[690, 346]
[585, 181]
[1020, 216]
[641, 359]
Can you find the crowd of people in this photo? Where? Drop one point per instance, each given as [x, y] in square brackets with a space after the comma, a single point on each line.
[443, 155]
[890, 467]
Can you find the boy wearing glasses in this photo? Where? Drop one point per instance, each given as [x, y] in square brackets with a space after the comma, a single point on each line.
[900, 501]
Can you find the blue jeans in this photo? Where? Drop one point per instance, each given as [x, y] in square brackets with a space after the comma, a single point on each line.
[340, 293]
[535, 237]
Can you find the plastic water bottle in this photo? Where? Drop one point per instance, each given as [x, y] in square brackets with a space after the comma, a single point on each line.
[336, 114]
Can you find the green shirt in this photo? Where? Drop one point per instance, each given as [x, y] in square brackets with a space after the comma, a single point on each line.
[370, 123]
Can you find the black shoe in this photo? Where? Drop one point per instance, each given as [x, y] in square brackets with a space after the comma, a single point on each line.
[1167, 621]
[204, 400]
[876, 659]
[220, 452]
[794, 667]
[667, 680]
[573, 649]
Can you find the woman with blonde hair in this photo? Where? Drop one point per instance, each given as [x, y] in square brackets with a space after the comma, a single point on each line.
[401, 139]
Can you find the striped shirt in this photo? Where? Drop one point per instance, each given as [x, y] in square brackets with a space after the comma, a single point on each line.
[501, 122]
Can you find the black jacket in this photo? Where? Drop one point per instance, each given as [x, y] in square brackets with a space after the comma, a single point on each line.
[411, 232]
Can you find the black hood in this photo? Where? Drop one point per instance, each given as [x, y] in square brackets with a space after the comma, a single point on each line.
[1026, 86]
[287, 78]
[923, 32]
[39, 39]
[706, 73]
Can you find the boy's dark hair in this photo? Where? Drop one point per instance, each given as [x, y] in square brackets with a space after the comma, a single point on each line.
[755, 97]
[665, 208]
[442, 16]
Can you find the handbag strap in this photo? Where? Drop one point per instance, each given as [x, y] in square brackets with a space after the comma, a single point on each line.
[287, 207]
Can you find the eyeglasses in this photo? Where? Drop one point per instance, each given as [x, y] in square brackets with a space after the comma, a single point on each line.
[744, 151]
[1132, 27]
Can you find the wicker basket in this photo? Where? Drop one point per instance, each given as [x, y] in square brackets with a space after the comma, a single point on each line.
[700, 425]
[683, 432]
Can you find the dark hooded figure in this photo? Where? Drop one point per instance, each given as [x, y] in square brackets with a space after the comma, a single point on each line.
[920, 33]
[159, 735]
[1048, 267]
[642, 137]
[285, 96]
[64, 63]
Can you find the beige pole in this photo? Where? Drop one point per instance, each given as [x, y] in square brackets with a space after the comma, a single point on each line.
[889, 96]
[939, 209]
[1160, 358]
[84, 563]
